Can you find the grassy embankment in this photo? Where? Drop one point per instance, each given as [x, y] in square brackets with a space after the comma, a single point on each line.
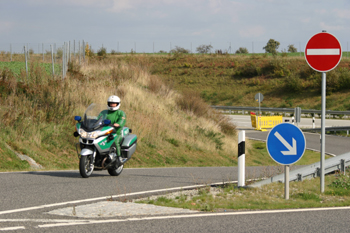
[285, 82]
[173, 129]
[37, 118]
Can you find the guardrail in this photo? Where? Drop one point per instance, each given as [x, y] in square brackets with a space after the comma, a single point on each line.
[339, 162]
[331, 129]
[284, 111]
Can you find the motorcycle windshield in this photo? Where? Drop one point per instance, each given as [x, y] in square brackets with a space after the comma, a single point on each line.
[94, 116]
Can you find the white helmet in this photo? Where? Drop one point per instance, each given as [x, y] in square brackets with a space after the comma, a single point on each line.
[113, 99]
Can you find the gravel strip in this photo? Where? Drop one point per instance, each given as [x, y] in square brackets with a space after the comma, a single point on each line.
[117, 209]
[127, 209]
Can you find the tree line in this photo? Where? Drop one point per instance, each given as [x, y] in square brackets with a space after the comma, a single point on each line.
[271, 47]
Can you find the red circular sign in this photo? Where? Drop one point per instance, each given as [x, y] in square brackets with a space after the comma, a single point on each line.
[323, 52]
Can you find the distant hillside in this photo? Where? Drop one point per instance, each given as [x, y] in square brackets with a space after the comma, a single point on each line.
[234, 80]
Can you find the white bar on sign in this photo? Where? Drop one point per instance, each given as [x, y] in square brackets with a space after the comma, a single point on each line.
[323, 51]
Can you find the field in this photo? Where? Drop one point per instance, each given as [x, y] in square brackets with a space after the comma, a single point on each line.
[16, 67]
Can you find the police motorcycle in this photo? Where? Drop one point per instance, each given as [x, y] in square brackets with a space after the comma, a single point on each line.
[96, 148]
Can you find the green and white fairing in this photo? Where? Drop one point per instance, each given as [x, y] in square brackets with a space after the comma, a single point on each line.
[97, 138]
[93, 130]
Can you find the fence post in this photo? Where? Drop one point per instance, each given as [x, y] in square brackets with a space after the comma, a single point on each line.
[26, 59]
[83, 50]
[241, 158]
[53, 62]
[11, 52]
[63, 60]
[342, 166]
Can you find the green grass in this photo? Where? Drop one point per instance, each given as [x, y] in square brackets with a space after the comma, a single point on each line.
[17, 67]
[305, 194]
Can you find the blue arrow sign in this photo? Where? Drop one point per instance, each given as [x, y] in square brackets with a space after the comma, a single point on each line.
[286, 143]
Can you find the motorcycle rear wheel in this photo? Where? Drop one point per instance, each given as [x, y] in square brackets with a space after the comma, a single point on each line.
[84, 166]
[116, 171]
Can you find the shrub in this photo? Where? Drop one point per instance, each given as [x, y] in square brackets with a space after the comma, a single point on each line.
[204, 48]
[293, 83]
[192, 102]
[102, 52]
[292, 49]
[226, 126]
[242, 50]
[179, 50]
[272, 46]
[154, 84]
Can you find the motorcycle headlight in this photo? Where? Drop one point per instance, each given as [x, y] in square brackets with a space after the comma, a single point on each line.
[83, 133]
[92, 135]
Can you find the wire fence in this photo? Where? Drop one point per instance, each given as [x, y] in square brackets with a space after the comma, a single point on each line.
[56, 54]
[62, 53]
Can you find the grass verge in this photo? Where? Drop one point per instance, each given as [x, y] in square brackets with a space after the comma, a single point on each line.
[303, 194]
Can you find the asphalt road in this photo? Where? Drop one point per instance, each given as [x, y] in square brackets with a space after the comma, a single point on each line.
[44, 191]
[334, 145]
[26, 197]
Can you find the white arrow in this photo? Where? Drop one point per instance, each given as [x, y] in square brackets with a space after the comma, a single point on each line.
[291, 150]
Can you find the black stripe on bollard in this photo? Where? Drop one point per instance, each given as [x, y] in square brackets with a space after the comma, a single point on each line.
[241, 148]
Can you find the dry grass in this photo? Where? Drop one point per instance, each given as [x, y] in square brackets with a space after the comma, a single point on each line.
[42, 108]
[153, 109]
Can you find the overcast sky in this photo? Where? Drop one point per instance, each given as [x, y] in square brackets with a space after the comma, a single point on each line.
[147, 25]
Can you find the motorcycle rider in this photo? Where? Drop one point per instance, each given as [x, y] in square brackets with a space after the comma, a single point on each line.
[117, 118]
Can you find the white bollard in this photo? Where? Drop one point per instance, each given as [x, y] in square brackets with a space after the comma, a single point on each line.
[313, 122]
[241, 158]
[293, 120]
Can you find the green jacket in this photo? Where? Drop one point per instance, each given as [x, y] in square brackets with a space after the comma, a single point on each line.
[118, 117]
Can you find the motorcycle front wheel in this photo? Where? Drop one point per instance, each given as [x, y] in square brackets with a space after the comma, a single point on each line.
[116, 171]
[84, 166]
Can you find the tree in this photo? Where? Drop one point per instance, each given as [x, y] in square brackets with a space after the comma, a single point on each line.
[179, 50]
[272, 46]
[102, 52]
[242, 50]
[204, 48]
[292, 49]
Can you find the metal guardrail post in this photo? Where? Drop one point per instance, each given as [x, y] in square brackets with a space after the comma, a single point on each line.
[300, 177]
[342, 166]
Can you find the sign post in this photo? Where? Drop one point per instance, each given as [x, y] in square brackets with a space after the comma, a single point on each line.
[259, 97]
[323, 53]
[286, 145]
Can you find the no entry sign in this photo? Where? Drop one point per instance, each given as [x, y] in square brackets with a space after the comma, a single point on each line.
[323, 52]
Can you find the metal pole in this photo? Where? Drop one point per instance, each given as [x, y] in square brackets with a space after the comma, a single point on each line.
[323, 123]
[83, 50]
[28, 55]
[69, 51]
[26, 59]
[286, 182]
[79, 52]
[241, 158]
[63, 59]
[55, 52]
[53, 62]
